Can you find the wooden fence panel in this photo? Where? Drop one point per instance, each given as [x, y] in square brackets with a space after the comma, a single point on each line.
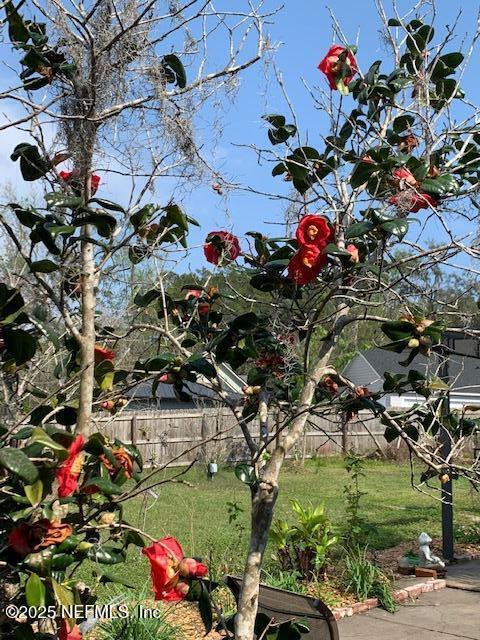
[212, 434]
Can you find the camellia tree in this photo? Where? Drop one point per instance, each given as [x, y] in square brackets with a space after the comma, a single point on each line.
[396, 149]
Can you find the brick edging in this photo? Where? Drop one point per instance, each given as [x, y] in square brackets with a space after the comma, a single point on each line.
[413, 591]
[466, 557]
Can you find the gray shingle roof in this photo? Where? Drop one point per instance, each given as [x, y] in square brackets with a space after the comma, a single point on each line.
[464, 372]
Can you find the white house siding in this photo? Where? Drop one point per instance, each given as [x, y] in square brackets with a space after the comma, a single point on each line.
[457, 400]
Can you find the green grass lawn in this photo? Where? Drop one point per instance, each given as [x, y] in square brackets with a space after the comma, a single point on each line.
[197, 515]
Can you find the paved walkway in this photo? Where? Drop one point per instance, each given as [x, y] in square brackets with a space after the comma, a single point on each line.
[465, 575]
[447, 614]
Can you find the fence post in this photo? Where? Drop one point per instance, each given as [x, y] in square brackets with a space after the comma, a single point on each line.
[133, 429]
[204, 435]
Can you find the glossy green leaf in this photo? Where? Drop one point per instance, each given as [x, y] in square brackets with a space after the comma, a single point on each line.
[107, 204]
[105, 485]
[358, 229]
[39, 436]
[17, 462]
[105, 554]
[43, 266]
[34, 492]
[174, 70]
[441, 185]
[35, 591]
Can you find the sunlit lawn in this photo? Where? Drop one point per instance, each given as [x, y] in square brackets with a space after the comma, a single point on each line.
[197, 513]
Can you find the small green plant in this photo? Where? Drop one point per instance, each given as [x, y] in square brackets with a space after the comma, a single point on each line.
[135, 627]
[357, 529]
[303, 545]
[365, 580]
[287, 580]
[468, 534]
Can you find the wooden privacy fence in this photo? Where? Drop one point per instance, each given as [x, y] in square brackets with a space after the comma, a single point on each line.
[213, 434]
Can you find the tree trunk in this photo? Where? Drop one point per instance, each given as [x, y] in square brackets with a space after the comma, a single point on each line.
[87, 346]
[265, 495]
[263, 503]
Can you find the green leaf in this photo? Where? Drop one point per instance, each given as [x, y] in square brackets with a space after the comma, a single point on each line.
[33, 84]
[361, 174]
[358, 229]
[63, 595]
[401, 123]
[107, 204]
[399, 227]
[35, 591]
[27, 217]
[32, 165]
[104, 554]
[245, 322]
[57, 199]
[105, 486]
[275, 120]
[20, 344]
[17, 29]
[205, 609]
[39, 436]
[34, 492]
[246, 473]
[18, 463]
[105, 578]
[398, 329]
[67, 416]
[43, 266]
[441, 185]
[452, 60]
[174, 70]
[200, 365]
[133, 537]
[104, 222]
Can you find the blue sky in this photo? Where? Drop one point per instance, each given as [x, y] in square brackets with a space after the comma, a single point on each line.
[302, 32]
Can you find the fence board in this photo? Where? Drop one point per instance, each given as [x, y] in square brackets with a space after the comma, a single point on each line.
[212, 433]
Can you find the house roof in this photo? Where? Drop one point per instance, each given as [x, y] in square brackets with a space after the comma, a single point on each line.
[232, 384]
[463, 371]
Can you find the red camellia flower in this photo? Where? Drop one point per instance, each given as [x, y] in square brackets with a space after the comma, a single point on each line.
[123, 461]
[103, 353]
[28, 537]
[221, 247]
[331, 66]
[67, 633]
[71, 177]
[67, 475]
[168, 566]
[306, 265]
[404, 178]
[314, 231]
[413, 201]
[203, 307]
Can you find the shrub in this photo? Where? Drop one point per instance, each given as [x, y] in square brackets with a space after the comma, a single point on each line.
[303, 545]
[365, 580]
